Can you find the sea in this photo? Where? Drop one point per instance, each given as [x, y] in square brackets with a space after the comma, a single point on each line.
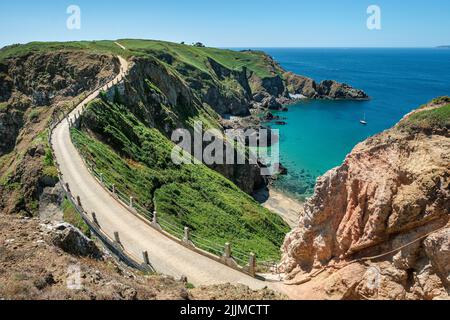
[318, 135]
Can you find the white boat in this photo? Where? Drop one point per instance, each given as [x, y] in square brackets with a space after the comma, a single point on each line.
[364, 122]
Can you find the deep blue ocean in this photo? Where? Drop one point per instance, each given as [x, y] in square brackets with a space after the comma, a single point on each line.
[319, 134]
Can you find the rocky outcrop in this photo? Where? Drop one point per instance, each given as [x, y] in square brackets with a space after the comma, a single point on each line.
[230, 100]
[50, 203]
[224, 90]
[44, 76]
[236, 92]
[327, 89]
[32, 87]
[10, 124]
[330, 89]
[152, 93]
[246, 176]
[43, 79]
[437, 248]
[71, 240]
[391, 195]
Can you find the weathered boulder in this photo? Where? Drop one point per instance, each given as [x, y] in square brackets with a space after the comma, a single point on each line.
[72, 240]
[271, 103]
[437, 248]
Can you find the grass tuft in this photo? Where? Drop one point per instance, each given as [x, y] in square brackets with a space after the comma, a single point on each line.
[71, 216]
[434, 119]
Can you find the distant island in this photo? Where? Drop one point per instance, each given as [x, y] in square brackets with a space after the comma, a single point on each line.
[444, 47]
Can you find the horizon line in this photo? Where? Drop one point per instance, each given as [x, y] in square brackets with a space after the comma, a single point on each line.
[249, 47]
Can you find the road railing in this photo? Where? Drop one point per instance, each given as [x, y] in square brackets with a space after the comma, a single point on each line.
[223, 253]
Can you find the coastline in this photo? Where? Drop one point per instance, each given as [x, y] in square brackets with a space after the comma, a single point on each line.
[286, 207]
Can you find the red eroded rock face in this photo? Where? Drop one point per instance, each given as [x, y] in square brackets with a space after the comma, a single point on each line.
[393, 189]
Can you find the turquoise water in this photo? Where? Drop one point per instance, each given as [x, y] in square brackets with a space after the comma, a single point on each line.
[319, 134]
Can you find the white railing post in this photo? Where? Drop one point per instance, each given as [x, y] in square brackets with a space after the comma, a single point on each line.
[252, 264]
[187, 235]
[155, 223]
[227, 257]
[131, 202]
[227, 251]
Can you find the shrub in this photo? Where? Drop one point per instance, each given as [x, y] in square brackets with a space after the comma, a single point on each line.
[48, 158]
[433, 119]
[441, 100]
[51, 172]
[70, 215]
[34, 115]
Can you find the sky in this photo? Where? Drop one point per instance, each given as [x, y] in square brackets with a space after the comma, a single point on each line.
[232, 23]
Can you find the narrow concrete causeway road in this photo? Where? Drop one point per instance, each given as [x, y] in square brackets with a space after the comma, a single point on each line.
[166, 256]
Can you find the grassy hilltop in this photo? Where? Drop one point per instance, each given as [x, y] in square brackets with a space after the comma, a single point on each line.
[196, 56]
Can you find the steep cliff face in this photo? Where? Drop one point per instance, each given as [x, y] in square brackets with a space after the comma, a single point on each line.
[223, 89]
[391, 194]
[234, 83]
[41, 80]
[32, 87]
[160, 98]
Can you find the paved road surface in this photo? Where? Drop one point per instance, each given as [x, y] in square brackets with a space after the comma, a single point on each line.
[166, 256]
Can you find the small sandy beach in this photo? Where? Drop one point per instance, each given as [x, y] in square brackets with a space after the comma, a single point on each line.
[289, 209]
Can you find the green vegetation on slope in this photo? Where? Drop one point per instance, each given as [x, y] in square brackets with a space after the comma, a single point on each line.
[187, 115]
[71, 216]
[3, 106]
[428, 119]
[108, 47]
[138, 160]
